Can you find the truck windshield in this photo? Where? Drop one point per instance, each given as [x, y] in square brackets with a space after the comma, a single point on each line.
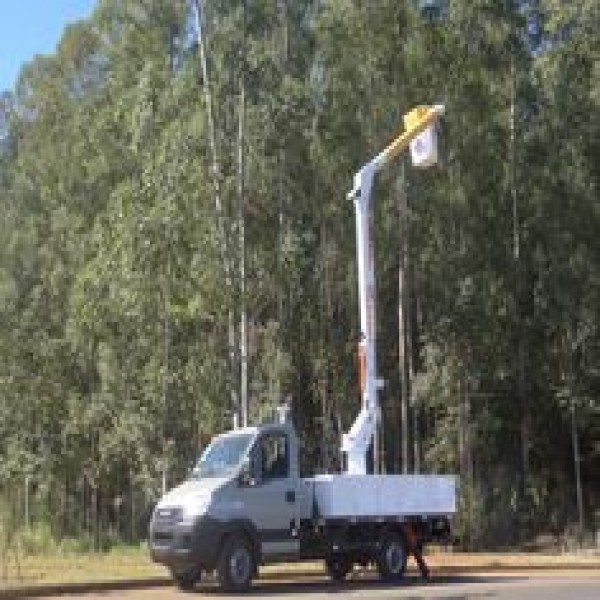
[222, 457]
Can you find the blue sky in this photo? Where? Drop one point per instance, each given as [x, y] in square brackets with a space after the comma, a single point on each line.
[30, 27]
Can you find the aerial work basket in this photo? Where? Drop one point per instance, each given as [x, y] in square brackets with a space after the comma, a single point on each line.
[424, 147]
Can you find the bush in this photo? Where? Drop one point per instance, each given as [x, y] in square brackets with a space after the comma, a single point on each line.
[37, 539]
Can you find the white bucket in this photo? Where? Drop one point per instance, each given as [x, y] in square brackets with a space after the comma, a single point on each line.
[424, 148]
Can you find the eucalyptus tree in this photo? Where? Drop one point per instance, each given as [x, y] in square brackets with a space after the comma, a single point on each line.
[124, 344]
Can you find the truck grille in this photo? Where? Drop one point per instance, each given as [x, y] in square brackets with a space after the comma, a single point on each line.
[162, 538]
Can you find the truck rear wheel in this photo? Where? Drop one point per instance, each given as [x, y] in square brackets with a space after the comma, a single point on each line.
[236, 565]
[392, 557]
[186, 580]
[338, 566]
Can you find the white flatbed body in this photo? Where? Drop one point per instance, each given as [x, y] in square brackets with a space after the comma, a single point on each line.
[381, 496]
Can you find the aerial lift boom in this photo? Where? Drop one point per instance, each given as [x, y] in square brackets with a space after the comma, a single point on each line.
[355, 443]
[245, 503]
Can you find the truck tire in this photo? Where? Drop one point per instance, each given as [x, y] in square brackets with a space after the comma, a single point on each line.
[392, 557]
[186, 580]
[338, 566]
[236, 565]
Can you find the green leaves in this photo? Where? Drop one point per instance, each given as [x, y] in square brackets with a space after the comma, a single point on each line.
[121, 341]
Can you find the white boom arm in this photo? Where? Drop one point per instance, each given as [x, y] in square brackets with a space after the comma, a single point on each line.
[356, 442]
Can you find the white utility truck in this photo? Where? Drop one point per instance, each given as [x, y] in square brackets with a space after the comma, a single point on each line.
[245, 504]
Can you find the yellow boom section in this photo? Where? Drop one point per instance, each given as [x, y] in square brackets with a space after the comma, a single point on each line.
[415, 122]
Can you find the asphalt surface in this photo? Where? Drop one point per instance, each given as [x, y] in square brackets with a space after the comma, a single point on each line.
[516, 586]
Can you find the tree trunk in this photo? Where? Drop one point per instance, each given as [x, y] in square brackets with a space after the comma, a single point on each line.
[242, 250]
[521, 350]
[219, 213]
[403, 324]
[577, 468]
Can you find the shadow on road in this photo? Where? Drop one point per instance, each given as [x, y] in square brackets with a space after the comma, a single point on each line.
[318, 587]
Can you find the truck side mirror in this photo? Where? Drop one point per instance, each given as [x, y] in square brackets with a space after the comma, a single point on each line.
[246, 476]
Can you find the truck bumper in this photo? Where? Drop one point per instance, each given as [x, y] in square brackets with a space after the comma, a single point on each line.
[182, 546]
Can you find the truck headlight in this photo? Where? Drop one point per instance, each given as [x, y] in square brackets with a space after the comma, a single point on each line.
[191, 514]
[168, 514]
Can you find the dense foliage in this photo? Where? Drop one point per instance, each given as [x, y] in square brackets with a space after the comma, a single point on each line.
[176, 239]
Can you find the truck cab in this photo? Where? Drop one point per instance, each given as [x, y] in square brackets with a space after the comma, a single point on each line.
[239, 507]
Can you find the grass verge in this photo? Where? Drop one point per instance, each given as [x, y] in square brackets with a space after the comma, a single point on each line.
[116, 565]
[134, 564]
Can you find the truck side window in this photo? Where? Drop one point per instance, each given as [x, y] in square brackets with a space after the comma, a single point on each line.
[275, 459]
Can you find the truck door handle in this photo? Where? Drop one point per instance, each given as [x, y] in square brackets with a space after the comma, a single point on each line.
[290, 496]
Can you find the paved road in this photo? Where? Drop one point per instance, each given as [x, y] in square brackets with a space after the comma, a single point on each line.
[518, 586]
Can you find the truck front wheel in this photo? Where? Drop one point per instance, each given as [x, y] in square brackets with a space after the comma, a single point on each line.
[392, 557]
[338, 566]
[236, 564]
